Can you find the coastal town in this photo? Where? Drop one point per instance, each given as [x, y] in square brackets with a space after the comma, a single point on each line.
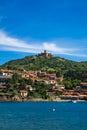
[37, 85]
[55, 91]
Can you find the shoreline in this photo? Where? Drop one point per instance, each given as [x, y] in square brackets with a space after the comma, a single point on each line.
[17, 98]
[42, 100]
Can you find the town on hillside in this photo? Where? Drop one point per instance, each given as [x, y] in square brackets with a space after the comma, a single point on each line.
[37, 85]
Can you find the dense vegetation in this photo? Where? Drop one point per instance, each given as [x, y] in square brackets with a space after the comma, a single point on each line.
[62, 67]
[17, 83]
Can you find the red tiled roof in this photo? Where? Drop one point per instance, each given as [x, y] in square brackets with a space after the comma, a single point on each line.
[61, 85]
[2, 87]
[6, 71]
[23, 91]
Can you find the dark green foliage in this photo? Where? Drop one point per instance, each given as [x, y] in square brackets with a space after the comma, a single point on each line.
[71, 83]
[40, 90]
[16, 82]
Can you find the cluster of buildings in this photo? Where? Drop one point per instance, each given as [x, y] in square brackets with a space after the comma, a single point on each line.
[80, 92]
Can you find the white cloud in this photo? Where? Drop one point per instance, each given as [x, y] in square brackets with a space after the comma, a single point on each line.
[9, 43]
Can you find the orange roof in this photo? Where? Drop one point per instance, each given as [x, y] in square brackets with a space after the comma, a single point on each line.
[56, 89]
[28, 86]
[61, 85]
[23, 91]
[2, 87]
[6, 71]
[84, 83]
[82, 95]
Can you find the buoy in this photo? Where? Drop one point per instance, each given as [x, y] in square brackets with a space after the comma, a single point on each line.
[53, 109]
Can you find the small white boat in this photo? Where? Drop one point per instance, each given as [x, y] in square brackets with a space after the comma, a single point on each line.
[74, 101]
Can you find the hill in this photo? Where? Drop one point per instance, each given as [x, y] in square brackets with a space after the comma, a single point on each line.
[46, 62]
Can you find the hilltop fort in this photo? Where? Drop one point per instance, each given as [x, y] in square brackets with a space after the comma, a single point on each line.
[45, 54]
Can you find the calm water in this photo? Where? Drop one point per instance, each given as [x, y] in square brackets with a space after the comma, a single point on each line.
[40, 116]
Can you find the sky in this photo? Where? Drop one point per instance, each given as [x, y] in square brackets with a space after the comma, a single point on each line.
[28, 27]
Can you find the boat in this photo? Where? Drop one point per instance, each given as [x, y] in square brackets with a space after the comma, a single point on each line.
[74, 101]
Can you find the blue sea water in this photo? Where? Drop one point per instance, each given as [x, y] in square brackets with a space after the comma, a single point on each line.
[40, 116]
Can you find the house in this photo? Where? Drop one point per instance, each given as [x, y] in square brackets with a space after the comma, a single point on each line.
[83, 97]
[47, 81]
[50, 76]
[24, 93]
[3, 79]
[6, 72]
[25, 76]
[60, 86]
[41, 74]
[46, 76]
[54, 89]
[71, 93]
[29, 87]
[50, 81]
[83, 85]
[69, 97]
[3, 87]
[28, 75]
[59, 79]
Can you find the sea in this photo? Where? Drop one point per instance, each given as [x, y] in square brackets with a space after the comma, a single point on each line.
[43, 116]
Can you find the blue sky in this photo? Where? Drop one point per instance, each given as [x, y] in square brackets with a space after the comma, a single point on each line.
[29, 26]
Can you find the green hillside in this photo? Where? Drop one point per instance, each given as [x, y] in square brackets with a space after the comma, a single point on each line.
[50, 64]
